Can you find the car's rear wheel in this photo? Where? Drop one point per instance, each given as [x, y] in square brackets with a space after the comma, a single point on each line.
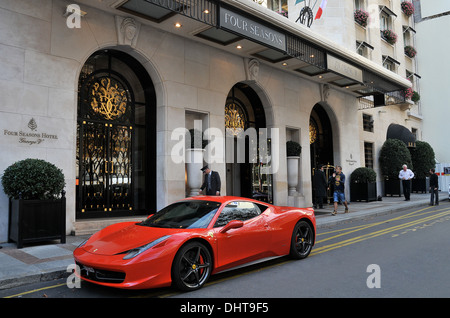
[302, 240]
[192, 266]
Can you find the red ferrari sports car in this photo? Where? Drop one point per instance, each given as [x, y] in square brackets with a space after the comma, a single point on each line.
[189, 240]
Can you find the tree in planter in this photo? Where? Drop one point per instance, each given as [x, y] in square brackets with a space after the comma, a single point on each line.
[293, 150]
[363, 184]
[38, 208]
[393, 155]
[423, 159]
[33, 179]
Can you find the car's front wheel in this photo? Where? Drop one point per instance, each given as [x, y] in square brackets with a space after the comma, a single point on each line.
[192, 266]
[302, 240]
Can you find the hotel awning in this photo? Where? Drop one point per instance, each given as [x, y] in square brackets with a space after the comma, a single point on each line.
[272, 38]
[396, 131]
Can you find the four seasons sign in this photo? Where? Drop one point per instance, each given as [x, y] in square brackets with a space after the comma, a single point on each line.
[31, 136]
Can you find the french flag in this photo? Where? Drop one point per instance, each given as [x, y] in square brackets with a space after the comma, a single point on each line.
[321, 8]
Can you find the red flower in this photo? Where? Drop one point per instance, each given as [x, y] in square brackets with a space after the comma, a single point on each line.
[407, 8]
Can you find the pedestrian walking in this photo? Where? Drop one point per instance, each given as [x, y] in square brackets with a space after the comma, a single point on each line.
[320, 186]
[434, 187]
[338, 181]
[211, 182]
[406, 176]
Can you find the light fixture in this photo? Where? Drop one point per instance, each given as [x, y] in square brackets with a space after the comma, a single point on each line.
[239, 46]
[284, 64]
[320, 76]
[311, 56]
[206, 11]
[178, 25]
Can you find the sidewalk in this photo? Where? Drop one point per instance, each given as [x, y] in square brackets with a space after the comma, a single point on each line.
[33, 264]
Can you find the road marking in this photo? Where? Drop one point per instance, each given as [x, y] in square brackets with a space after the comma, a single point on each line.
[370, 235]
[35, 290]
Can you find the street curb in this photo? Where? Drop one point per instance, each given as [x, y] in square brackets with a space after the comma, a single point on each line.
[13, 282]
[363, 215]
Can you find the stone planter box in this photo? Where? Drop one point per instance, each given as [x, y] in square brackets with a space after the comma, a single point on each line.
[33, 221]
[363, 191]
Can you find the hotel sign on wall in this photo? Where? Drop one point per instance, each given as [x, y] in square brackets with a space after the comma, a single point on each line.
[244, 26]
[29, 136]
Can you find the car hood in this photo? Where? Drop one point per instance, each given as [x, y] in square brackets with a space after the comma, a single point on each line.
[123, 237]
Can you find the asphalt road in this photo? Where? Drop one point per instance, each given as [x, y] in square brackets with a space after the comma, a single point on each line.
[404, 254]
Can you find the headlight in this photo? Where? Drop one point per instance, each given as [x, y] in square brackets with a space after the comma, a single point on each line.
[136, 251]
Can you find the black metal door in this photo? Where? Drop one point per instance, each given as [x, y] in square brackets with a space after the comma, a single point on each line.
[105, 177]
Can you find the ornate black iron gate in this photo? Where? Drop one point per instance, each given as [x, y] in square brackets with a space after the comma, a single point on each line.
[106, 140]
[105, 178]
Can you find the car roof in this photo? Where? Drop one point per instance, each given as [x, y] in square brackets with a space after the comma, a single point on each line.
[223, 199]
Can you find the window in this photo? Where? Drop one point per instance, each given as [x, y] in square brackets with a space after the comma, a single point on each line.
[389, 65]
[279, 6]
[385, 21]
[362, 48]
[239, 210]
[414, 132]
[359, 4]
[367, 123]
[368, 154]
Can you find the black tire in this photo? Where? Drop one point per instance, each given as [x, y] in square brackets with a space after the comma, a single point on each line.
[192, 266]
[302, 240]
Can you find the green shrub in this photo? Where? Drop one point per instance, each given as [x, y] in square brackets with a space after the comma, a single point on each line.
[33, 179]
[293, 148]
[393, 155]
[363, 175]
[423, 159]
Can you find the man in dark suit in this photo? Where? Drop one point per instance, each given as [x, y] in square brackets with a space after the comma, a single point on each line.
[434, 187]
[211, 182]
[320, 186]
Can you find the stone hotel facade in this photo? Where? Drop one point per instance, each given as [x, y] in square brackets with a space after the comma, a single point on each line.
[106, 89]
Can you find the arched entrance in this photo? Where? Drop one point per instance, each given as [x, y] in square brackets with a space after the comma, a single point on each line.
[116, 138]
[321, 142]
[244, 119]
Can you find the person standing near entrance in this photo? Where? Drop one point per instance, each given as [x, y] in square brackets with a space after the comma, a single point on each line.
[406, 176]
[434, 187]
[338, 181]
[211, 182]
[320, 185]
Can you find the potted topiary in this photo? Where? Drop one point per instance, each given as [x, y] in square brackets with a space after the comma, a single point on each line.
[363, 186]
[37, 201]
[195, 145]
[423, 160]
[393, 155]
[293, 150]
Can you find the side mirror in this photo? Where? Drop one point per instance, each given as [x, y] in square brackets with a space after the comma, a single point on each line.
[235, 224]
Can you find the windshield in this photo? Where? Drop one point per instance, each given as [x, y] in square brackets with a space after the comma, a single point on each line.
[184, 215]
